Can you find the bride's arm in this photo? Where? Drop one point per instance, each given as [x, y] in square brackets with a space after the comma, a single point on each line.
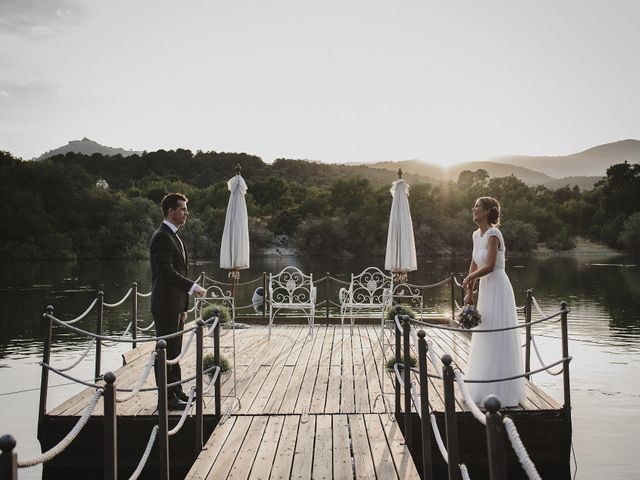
[492, 253]
[468, 298]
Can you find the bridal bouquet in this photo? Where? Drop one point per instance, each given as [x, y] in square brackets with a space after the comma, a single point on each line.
[468, 317]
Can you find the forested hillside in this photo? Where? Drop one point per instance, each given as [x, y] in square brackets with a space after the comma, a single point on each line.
[78, 206]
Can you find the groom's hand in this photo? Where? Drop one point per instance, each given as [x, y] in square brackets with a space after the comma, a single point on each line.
[200, 292]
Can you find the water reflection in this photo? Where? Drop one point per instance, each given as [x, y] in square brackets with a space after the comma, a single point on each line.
[603, 294]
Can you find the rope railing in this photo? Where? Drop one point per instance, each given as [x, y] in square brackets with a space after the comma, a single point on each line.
[117, 339]
[82, 315]
[519, 448]
[185, 348]
[486, 330]
[82, 357]
[143, 379]
[146, 454]
[117, 304]
[144, 295]
[535, 348]
[185, 412]
[431, 285]
[68, 439]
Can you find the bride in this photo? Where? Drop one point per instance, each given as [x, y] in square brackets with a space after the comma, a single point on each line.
[498, 354]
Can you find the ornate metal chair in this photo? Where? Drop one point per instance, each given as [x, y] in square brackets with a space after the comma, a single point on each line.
[292, 290]
[370, 292]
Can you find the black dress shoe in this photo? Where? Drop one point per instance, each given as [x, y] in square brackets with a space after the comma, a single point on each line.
[174, 403]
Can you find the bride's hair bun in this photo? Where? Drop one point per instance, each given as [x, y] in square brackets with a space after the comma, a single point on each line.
[493, 206]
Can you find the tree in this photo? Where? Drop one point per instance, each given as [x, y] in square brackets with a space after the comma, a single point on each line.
[630, 236]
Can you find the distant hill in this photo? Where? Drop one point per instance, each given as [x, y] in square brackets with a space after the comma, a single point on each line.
[593, 162]
[530, 177]
[87, 147]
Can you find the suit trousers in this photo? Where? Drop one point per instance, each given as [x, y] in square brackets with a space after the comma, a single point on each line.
[167, 324]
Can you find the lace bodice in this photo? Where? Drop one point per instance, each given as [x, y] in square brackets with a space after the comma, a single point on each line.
[481, 248]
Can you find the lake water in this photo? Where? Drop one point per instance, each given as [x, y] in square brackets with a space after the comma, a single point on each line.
[604, 326]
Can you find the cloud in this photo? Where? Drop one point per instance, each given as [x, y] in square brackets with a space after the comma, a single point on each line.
[37, 18]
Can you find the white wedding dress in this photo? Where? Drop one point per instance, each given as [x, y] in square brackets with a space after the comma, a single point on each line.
[498, 354]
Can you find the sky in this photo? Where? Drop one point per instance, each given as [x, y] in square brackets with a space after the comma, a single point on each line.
[333, 81]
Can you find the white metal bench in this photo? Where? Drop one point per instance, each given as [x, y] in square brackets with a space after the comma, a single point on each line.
[369, 291]
[292, 290]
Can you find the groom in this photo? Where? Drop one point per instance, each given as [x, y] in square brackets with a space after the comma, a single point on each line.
[170, 287]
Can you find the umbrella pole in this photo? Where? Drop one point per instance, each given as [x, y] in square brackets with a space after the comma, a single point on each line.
[235, 276]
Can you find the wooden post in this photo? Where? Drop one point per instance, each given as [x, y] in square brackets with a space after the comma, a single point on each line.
[134, 314]
[528, 302]
[110, 462]
[216, 361]
[453, 296]
[326, 292]
[199, 377]
[100, 316]
[450, 418]
[8, 458]
[46, 357]
[406, 370]
[425, 423]
[462, 292]
[398, 358]
[565, 354]
[163, 420]
[495, 439]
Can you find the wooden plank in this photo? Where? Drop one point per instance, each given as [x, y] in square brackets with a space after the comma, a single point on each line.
[201, 467]
[268, 447]
[399, 452]
[364, 467]
[332, 404]
[341, 447]
[225, 460]
[293, 388]
[258, 392]
[360, 387]
[308, 383]
[322, 452]
[382, 459]
[347, 400]
[319, 394]
[286, 448]
[247, 454]
[303, 457]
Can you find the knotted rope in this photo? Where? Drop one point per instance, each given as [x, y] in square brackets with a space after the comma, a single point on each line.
[66, 441]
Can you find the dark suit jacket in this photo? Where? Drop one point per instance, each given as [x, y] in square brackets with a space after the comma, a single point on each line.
[169, 283]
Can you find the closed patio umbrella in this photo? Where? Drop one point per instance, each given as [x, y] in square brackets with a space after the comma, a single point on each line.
[234, 249]
[400, 256]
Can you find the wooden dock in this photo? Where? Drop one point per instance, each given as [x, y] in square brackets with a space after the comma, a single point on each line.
[310, 406]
